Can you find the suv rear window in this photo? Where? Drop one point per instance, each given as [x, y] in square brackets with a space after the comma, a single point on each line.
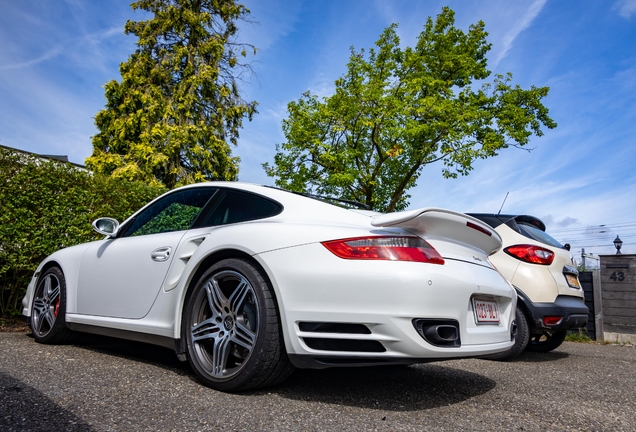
[538, 235]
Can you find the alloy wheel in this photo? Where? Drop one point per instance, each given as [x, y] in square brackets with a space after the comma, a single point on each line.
[224, 327]
[46, 305]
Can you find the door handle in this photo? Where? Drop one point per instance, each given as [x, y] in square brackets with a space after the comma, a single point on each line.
[161, 254]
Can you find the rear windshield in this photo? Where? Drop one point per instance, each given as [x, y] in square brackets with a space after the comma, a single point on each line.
[538, 235]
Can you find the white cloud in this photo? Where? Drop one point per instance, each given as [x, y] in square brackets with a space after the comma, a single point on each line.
[47, 118]
[275, 113]
[531, 13]
[91, 51]
[387, 10]
[626, 8]
[565, 223]
[47, 55]
[322, 86]
[268, 22]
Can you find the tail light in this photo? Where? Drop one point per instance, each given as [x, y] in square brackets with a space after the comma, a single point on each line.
[531, 253]
[385, 248]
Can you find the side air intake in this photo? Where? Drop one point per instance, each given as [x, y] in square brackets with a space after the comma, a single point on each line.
[349, 345]
[333, 327]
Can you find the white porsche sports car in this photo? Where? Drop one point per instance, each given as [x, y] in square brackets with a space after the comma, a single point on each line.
[247, 282]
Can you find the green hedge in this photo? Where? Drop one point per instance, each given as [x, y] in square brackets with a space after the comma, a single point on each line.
[46, 206]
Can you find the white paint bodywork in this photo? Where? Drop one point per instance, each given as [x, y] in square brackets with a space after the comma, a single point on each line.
[540, 283]
[113, 283]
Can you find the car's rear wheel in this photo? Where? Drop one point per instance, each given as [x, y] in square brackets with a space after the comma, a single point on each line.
[232, 329]
[521, 339]
[49, 308]
[546, 341]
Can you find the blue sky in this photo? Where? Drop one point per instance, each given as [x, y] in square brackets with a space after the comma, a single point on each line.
[580, 178]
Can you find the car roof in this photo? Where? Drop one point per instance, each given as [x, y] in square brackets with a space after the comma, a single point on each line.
[296, 206]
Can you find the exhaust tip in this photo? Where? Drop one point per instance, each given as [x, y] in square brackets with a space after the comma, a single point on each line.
[441, 333]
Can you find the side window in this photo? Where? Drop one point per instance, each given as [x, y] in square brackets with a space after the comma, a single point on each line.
[233, 206]
[174, 212]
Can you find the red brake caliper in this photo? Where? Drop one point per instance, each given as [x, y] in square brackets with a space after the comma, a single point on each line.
[57, 308]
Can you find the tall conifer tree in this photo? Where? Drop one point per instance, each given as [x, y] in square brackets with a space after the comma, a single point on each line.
[175, 112]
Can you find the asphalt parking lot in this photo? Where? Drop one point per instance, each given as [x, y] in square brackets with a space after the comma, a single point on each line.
[104, 384]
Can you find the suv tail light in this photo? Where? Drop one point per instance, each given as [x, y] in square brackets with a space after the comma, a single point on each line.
[531, 253]
[385, 248]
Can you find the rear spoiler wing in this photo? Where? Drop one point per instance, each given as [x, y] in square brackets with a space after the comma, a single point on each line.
[441, 224]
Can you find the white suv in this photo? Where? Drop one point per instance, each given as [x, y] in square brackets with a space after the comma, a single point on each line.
[550, 298]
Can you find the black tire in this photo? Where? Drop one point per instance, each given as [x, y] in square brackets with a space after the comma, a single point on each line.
[546, 341]
[232, 329]
[48, 311]
[521, 339]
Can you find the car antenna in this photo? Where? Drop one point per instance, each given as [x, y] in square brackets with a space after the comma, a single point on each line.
[502, 204]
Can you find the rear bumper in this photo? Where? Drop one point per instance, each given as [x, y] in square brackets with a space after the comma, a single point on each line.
[338, 312]
[573, 311]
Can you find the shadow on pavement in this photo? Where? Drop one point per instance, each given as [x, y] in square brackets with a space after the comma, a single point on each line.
[531, 357]
[390, 388]
[132, 350]
[24, 408]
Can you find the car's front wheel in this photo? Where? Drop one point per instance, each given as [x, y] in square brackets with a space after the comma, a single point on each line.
[48, 313]
[232, 329]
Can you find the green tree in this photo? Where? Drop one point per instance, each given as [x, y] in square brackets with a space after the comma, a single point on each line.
[171, 118]
[398, 110]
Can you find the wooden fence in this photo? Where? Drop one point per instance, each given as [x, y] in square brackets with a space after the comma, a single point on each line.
[587, 279]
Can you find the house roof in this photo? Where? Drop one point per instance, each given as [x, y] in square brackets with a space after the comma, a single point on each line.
[61, 158]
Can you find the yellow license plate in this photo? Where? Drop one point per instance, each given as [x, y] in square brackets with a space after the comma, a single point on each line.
[573, 281]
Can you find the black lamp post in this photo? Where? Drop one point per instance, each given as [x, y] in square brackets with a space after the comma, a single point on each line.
[617, 244]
